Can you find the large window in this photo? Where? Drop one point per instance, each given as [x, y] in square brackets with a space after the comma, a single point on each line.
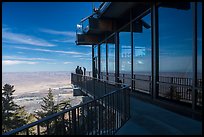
[125, 52]
[111, 58]
[125, 55]
[142, 55]
[175, 53]
[199, 53]
[95, 61]
[103, 61]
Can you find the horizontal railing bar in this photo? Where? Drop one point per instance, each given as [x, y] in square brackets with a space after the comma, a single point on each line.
[160, 82]
[174, 84]
[150, 75]
[180, 78]
[102, 80]
[143, 80]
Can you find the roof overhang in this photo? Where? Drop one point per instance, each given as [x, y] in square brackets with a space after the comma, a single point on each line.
[111, 16]
[114, 10]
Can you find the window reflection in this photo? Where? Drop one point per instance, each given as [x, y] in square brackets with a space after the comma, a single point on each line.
[103, 60]
[125, 51]
[175, 53]
[142, 56]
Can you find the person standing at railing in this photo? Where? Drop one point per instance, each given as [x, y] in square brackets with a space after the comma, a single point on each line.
[84, 71]
[77, 72]
[81, 73]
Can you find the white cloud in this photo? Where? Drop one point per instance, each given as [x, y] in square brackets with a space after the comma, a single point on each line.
[18, 38]
[15, 62]
[140, 62]
[51, 63]
[56, 32]
[65, 40]
[78, 56]
[24, 58]
[70, 35]
[67, 62]
[52, 51]
[85, 58]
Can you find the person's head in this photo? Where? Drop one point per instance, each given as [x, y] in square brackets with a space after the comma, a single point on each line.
[80, 67]
[77, 66]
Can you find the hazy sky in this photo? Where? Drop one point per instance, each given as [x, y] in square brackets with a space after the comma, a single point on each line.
[40, 36]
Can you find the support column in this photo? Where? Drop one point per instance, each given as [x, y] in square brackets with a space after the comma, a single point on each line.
[106, 60]
[155, 50]
[93, 67]
[99, 61]
[194, 58]
[132, 49]
[117, 56]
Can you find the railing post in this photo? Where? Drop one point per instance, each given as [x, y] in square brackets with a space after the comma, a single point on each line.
[99, 117]
[171, 88]
[94, 88]
[150, 84]
[126, 111]
[74, 121]
[38, 129]
[27, 131]
[128, 103]
[105, 87]
[134, 82]
[47, 124]
[63, 125]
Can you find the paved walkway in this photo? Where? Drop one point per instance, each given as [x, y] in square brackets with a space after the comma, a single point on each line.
[149, 119]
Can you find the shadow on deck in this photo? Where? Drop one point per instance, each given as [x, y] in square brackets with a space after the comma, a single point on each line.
[149, 119]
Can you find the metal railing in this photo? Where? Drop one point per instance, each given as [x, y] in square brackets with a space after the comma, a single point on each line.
[95, 87]
[104, 115]
[172, 88]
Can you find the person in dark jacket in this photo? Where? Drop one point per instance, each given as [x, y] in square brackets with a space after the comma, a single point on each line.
[84, 71]
[77, 70]
[80, 73]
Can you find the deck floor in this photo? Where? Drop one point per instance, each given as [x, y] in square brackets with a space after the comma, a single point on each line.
[149, 119]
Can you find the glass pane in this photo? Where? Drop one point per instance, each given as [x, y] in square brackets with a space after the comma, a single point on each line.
[95, 50]
[125, 55]
[103, 61]
[199, 53]
[142, 56]
[175, 53]
[111, 60]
